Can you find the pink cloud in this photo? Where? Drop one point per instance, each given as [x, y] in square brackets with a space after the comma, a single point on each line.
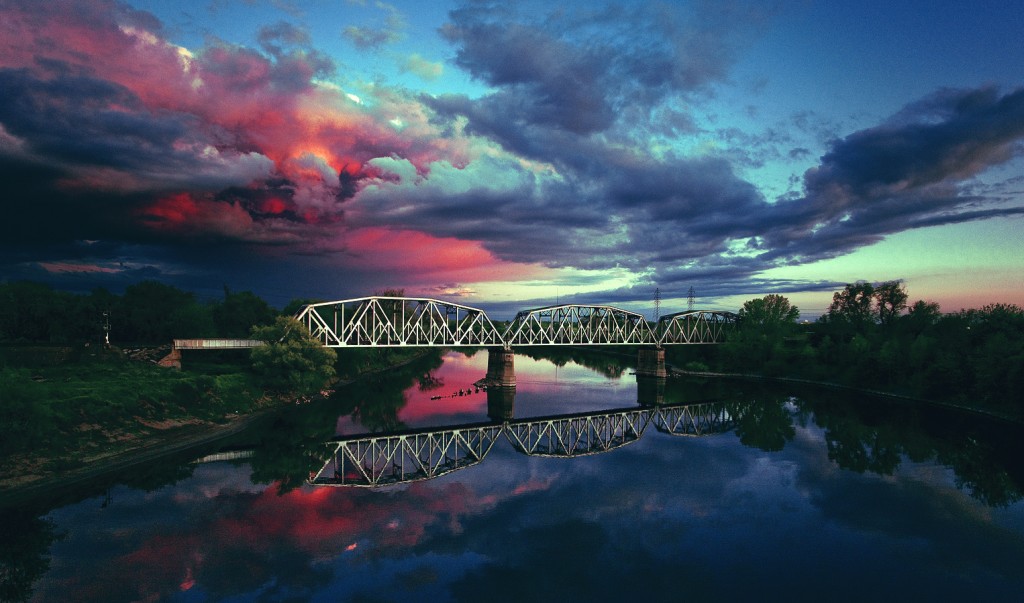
[227, 143]
[433, 258]
[71, 267]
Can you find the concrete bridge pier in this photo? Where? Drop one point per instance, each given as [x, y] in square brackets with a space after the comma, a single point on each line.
[651, 362]
[501, 403]
[172, 360]
[650, 391]
[501, 368]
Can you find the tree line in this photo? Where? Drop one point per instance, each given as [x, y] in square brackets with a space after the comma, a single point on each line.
[871, 337]
[147, 312]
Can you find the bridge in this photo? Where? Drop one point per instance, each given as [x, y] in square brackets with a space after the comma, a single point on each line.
[384, 321]
[381, 321]
[375, 460]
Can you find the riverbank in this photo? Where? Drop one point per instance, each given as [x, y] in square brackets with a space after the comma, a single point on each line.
[18, 489]
[36, 475]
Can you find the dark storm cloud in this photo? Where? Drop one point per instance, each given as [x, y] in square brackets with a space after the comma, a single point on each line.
[81, 119]
[907, 173]
[948, 137]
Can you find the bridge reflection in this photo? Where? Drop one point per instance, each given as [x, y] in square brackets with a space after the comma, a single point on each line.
[374, 460]
[406, 457]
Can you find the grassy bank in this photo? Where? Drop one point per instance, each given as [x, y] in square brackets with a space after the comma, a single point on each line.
[60, 416]
[64, 411]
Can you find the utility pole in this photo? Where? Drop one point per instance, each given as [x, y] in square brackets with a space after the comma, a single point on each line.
[106, 328]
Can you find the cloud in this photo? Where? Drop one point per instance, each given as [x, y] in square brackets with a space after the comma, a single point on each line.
[578, 71]
[425, 69]
[571, 160]
[906, 173]
[374, 38]
[129, 138]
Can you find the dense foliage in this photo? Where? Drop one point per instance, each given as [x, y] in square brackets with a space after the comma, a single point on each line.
[64, 395]
[148, 312]
[291, 359]
[871, 338]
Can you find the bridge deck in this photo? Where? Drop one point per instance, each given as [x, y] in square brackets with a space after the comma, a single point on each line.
[216, 344]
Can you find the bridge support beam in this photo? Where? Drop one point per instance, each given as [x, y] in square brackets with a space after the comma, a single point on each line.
[501, 368]
[651, 362]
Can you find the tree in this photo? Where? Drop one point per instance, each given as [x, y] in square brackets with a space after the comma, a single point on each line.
[770, 311]
[853, 304]
[890, 300]
[863, 303]
[923, 315]
[240, 312]
[24, 551]
[155, 312]
[291, 360]
[296, 305]
[758, 342]
[764, 425]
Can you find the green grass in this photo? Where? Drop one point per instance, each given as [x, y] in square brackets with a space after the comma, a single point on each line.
[55, 410]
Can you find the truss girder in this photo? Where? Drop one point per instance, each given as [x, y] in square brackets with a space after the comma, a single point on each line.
[694, 420]
[696, 326]
[380, 321]
[386, 460]
[578, 435]
[579, 325]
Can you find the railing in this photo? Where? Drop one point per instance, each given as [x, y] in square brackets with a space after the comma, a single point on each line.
[216, 344]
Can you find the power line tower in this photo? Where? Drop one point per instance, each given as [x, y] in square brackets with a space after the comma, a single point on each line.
[106, 328]
[657, 303]
[690, 299]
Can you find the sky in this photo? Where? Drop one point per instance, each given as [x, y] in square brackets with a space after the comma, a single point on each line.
[515, 155]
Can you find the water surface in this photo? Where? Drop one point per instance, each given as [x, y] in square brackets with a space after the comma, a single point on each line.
[785, 493]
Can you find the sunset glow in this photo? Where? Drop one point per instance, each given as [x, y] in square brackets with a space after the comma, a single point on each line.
[515, 154]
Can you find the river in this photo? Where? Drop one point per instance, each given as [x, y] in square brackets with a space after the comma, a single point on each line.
[582, 486]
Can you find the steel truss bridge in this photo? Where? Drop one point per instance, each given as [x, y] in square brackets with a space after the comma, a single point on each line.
[381, 460]
[379, 321]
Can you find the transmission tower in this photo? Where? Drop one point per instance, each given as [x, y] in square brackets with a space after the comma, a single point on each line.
[689, 300]
[657, 303]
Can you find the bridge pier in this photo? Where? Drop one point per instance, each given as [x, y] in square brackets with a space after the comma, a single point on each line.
[501, 369]
[172, 360]
[651, 362]
[650, 391]
[501, 403]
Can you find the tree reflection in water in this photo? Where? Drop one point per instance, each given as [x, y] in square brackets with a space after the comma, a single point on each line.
[24, 552]
[231, 539]
[288, 448]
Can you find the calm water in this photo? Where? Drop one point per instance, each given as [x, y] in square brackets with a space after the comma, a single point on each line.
[723, 490]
